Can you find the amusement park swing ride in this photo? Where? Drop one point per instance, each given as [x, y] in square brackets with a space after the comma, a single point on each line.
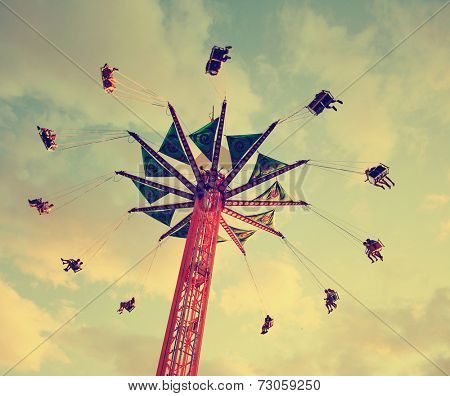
[210, 198]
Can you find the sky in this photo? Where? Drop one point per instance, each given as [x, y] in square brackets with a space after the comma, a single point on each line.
[283, 53]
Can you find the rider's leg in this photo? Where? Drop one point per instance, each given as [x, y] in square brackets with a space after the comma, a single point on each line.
[382, 181]
[390, 180]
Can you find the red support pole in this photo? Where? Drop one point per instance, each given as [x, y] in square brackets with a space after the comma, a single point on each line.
[180, 353]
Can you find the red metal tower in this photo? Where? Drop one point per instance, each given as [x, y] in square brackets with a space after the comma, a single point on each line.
[180, 352]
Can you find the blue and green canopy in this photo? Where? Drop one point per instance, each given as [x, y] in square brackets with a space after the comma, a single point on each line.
[163, 216]
[204, 138]
[152, 167]
[265, 218]
[172, 146]
[265, 165]
[239, 145]
[274, 193]
[152, 194]
[242, 235]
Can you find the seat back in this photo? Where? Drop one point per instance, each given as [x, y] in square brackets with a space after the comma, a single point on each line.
[375, 246]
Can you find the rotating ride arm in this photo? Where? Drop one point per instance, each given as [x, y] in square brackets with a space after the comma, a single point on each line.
[185, 144]
[248, 154]
[218, 142]
[156, 208]
[156, 185]
[162, 161]
[254, 223]
[262, 179]
[176, 227]
[232, 202]
[232, 235]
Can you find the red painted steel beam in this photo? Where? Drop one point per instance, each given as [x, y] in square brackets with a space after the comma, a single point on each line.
[262, 179]
[156, 185]
[185, 144]
[162, 161]
[156, 208]
[176, 227]
[232, 235]
[254, 223]
[180, 353]
[247, 155]
[235, 202]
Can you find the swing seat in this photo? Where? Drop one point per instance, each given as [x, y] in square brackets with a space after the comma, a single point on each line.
[316, 107]
[219, 53]
[217, 56]
[33, 203]
[331, 297]
[108, 80]
[378, 173]
[376, 246]
[213, 67]
[109, 84]
[49, 144]
[321, 101]
[128, 305]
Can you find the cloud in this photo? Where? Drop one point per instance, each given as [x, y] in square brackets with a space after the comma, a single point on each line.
[444, 229]
[278, 283]
[23, 326]
[115, 350]
[397, 112]
[321, 57]
[435, 201]
[365, 347]
[168, 50]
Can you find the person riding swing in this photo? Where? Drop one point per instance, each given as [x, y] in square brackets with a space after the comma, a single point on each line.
[323, 100]
[330, 299]
[378, 176]
[108, 79]
[128, 305]
[268, 323]
[72, 264]
[373, 249]
[43, 207]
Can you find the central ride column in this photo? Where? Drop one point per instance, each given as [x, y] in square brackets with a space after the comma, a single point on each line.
[180, 352]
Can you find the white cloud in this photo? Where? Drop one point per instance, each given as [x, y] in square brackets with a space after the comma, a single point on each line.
[164, 49]
[24, 325]
[444, 230]
[435, 201]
